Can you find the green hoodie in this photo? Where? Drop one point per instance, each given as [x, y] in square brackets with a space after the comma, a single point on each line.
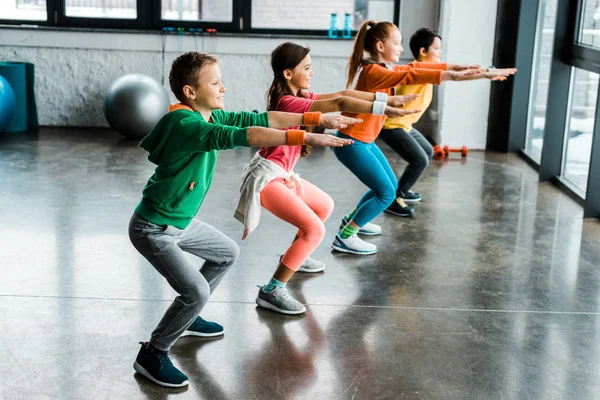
[184, 147]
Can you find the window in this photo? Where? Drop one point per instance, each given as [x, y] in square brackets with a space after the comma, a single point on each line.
[301, 17]
[540, 79]
[24, 10]
[197, 10]
[580, 128]
[114, 9]
[316, 14]
[589, 31]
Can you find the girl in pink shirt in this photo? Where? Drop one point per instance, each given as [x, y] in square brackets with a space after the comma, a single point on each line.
[293, 199]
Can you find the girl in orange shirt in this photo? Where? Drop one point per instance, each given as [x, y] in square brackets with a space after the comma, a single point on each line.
[383, 42]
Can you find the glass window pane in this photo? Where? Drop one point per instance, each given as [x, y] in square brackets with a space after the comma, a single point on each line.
[589, 32]
[197, 10]
[581, 118]
[316, 14]
[119, 9]
[540, 79]
[27, 10]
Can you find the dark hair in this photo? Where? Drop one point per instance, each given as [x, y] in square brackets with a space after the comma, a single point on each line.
[369, 34]
[285, 56]
[185, 69]
[422, 39]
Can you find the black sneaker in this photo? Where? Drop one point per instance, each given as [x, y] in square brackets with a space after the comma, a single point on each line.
[156, 365]
[203, 328]
[412, 197]
[400, 208]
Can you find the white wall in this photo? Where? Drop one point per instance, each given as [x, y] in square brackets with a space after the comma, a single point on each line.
[468, 31]
[74, 70]
[303, 14]
[416, 14]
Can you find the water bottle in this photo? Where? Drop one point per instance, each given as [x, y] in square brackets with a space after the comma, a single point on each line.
[333, 30]
[347, 32]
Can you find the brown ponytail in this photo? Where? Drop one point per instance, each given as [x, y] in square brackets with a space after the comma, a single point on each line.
[369, 34]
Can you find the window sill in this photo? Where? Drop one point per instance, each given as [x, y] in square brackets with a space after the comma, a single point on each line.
[31, 35]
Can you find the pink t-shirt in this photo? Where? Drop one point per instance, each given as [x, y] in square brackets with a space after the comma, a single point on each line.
[286, 156]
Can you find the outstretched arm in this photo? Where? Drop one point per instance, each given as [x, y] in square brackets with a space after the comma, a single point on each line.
[278, 119]
[356, 106]
[266, 137]
[394, 101]
[492, 74]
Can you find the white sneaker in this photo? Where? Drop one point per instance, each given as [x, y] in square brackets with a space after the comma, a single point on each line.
[368, 230]
[311, 266]
[354, 245]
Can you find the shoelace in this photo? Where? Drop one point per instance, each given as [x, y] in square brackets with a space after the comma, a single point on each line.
[163, 358]
[283, 294]
[400, 201]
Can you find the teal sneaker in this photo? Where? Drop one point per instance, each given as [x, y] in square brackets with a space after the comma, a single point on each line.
[203, 328]
[156, 365]
[412, 197]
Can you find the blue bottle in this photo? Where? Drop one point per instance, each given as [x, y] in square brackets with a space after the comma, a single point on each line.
[333, 29]
[347, 32]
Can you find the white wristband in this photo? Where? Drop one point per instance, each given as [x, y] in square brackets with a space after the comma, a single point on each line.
[380, 96]
[379, 108]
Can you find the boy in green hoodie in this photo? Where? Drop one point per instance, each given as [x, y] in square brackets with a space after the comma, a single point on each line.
[184, 146]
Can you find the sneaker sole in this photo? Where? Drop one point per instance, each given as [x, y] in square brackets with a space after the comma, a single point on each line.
[264, 304]
[141, 370]
[311, 270]
[398, 215]
[200, 334]
[358, 253]
[411, 201]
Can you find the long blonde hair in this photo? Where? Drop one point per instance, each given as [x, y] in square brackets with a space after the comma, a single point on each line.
[369, 34]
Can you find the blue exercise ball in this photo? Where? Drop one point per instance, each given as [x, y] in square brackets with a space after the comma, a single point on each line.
[7, 103]
[134, 104]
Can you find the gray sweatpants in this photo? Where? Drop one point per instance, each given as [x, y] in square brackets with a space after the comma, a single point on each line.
[164, 247]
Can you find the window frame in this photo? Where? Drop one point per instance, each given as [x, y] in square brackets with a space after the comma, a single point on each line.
[247, 24]
[50, 17]
[230, 27]
[149, 19]
[62, 20]
[568, 54]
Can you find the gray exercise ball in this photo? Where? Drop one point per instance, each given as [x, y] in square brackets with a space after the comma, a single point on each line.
[134, 104]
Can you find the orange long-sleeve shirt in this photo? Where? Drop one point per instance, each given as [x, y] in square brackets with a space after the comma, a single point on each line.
[378, 78]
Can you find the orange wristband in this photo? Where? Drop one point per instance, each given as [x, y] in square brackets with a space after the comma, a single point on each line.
[312, 118]
[295, 137]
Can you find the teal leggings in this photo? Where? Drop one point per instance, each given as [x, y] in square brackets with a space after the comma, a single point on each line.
[369, 165]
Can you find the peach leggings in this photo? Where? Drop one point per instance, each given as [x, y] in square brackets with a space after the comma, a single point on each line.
[307, 213]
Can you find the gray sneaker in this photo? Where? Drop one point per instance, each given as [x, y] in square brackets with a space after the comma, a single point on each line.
[279, 300]
[311, 266]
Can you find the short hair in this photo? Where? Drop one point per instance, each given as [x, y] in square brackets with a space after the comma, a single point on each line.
[185, 70]
[423, 38]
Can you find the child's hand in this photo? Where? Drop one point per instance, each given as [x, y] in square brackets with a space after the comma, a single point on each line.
[392, 112]
[460, 75]
[400, 101]
[500, 74]
[462, 67]
[333, 121]
[325, 140]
